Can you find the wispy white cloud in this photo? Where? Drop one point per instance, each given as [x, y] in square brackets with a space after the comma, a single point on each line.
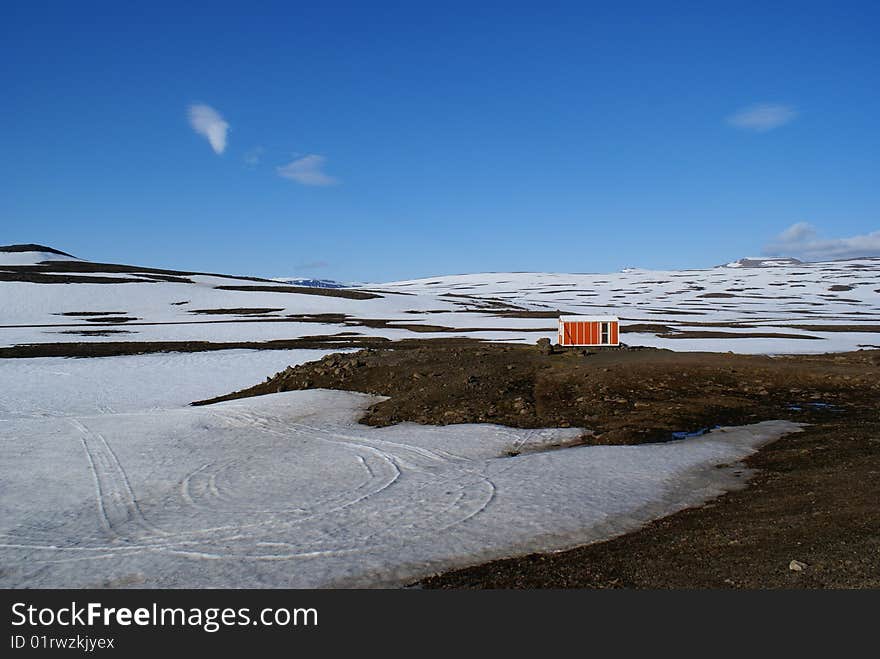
[253, 157]
[802, 240]
[207, 122]
[307, 170]
[763, 117]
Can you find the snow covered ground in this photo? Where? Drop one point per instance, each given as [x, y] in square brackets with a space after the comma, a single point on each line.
[109, 479]
[811, 307]
[56, 387]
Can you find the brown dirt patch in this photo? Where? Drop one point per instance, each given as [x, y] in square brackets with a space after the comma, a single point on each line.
[96, 332]
[626, 396]
[836, 328]
[339, 341]
[645, 328]
[112, 320]
[32, 247]
[44, 278]
[240, 311]
[528, 314]
[379, 323]
[347, 293]
[706, 334]
[86, 314]
[141, 271]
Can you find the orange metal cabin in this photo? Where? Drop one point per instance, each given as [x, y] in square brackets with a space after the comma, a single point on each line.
[589, 331]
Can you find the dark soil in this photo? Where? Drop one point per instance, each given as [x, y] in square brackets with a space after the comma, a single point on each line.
[117, 348]
[32, 247]
[49, 278]
[425, 328]
[96, 332]
[338, 341]
[873, 329]
[528, 314]
[91, 313]
[706, 334]
[306, 290]
[86, 267]
[112, 320]
[626, 396]
[646, 328]
[237, 311]
[330, 318]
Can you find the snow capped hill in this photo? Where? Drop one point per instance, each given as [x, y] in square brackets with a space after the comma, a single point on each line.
[312, 283]
[762, 262]
[31, 254]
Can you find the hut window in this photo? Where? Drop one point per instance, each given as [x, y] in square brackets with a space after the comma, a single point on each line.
[606, 333]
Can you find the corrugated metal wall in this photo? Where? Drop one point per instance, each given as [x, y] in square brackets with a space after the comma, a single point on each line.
[587, 333]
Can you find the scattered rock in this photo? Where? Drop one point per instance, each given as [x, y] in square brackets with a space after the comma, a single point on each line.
[797, 566]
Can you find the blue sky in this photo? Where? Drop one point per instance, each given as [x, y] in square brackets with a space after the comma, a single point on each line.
[378, 141]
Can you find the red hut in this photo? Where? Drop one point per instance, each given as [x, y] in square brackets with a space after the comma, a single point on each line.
[589, 331]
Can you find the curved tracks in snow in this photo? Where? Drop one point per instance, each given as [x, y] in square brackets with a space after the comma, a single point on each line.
[270, 504]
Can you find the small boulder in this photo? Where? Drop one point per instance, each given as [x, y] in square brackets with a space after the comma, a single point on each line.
[545, 347]
[797, 566]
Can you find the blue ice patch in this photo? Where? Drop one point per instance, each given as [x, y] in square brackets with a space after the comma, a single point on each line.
[686, 434]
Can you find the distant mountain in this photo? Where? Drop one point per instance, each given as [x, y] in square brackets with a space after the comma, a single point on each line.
[762, 262]
[33, 247]
[311, 283]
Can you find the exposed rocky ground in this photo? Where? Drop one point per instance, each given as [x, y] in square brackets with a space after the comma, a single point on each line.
[625, 396]
[118, 348]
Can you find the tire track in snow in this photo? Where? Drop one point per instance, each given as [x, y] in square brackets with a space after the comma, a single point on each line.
[466, 504]
[440, 491]
[471, 489]
[117, 504]
[339, 502]
[204, 480]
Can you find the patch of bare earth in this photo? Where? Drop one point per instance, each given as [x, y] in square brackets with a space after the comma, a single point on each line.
[347, 293]
[626, 396]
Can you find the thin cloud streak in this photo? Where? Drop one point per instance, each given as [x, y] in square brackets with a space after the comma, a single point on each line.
[762, 118]
[307, 170]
